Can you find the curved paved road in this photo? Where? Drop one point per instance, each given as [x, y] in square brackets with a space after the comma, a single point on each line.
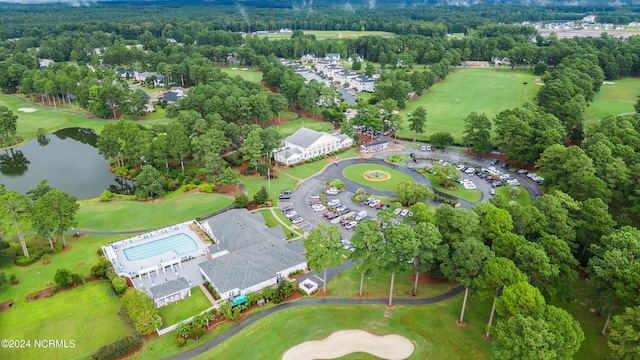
[320, 301]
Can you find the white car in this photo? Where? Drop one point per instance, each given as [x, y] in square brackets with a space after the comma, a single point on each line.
[410, 214]
[291, 214]
[297, 220]
[397, 211]
[404, 212]
[319, 208]
[374, 203]
[351, 225]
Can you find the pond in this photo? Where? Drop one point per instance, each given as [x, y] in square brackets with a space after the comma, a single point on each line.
[70, 161]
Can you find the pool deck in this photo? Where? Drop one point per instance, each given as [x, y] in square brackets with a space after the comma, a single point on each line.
[188, 269]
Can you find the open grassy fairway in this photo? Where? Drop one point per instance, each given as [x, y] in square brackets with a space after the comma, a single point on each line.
[135, 215]
[291, 126]
[614, 99]
[50, 120]
[355, 173]
[465, 90]
[248, 74]
[87, 314]
[432, 328]
[332, 34]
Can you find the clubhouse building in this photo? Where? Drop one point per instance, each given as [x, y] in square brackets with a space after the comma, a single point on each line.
[306, 143]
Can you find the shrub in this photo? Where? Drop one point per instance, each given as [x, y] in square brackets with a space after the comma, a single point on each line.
[13, 277]
[57, 248]
[100, 268]
[180, 341]
[184, 329]
[106, 196]
[119, 284]
[263, 169]
[189, 187]
[208, 188]
[64, 278]
[196, 181]
[24, 261]
[261, 196]
[301, 291]
[197, 332]
[35, 296]
[117, 348]
[291, 165]
[241, 201]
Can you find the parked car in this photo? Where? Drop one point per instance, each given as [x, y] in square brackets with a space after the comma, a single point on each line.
[497, 184]
[284, 197]
[327, 214]
[379, 206]
[345, 222]
[492, 191]
[367, 201]
[404, 212]
[319, 208]
[374, 203]
[397, 211]
[361, 215]
[351, 225]
[286, 209]
[314, 197]
[332, 216]
[523, 171]
[297, 220]
[291, 215]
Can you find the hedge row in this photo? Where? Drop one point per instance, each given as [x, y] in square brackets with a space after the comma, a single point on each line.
[117, 348]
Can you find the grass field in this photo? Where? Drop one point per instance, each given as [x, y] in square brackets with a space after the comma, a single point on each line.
[347, 285]
[184, 309]
[432, 328]
[135, 215]
[50, 120]
[88, 315]
[465, 90]
[355, 173]
[523, 199]
[291, 126]
[35, 277]
[460, 192]
[254, 183]
[332, 34]
[614, 99]
[304, 171]
[271, 221]
[248, 74]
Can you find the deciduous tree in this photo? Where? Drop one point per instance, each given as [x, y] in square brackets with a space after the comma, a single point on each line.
[323, 247]
[368, 245]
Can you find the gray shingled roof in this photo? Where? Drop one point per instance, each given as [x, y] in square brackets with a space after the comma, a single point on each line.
[304, 137]
[169, 288]
[255, 254]
[296, 246]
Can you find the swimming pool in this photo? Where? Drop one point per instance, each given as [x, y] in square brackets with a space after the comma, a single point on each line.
[180, 243]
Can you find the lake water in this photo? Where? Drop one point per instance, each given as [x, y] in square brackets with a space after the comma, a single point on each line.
[68, 158]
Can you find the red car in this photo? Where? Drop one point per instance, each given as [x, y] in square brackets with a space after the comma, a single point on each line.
[379, 206]
[345, 222]
[327, 213]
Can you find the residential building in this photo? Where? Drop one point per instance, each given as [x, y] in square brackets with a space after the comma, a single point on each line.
[247, 255]
[332, 57]
[363, 83]
[174, 94]
[306, 143]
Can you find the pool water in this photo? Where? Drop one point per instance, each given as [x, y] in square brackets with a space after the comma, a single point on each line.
[180, 243]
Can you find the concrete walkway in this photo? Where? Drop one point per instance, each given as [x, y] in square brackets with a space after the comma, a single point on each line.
[311, 302]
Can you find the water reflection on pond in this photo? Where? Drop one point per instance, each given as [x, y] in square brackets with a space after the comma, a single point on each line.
[68, 158]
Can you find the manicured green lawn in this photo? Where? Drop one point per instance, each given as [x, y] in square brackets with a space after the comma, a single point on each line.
[271, 221]
[254, 183]
[432, 328]
[332, 34]
[355, 173]
[347, 285]
[87, 315]
[135, 215]
[248, 74]
[460, 192]
[304, 170]
[399, 159]
[50, 120]
[465, 90]
[523, 199]
[289, 127]
[184, 309]
[36, 276]
[614, 99]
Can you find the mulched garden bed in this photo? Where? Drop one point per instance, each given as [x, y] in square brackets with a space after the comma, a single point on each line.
[6, 305]
[49, 292]
[46, 262]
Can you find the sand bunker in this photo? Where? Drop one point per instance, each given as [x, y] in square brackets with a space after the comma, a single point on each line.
[28, 110]
[342, 343]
